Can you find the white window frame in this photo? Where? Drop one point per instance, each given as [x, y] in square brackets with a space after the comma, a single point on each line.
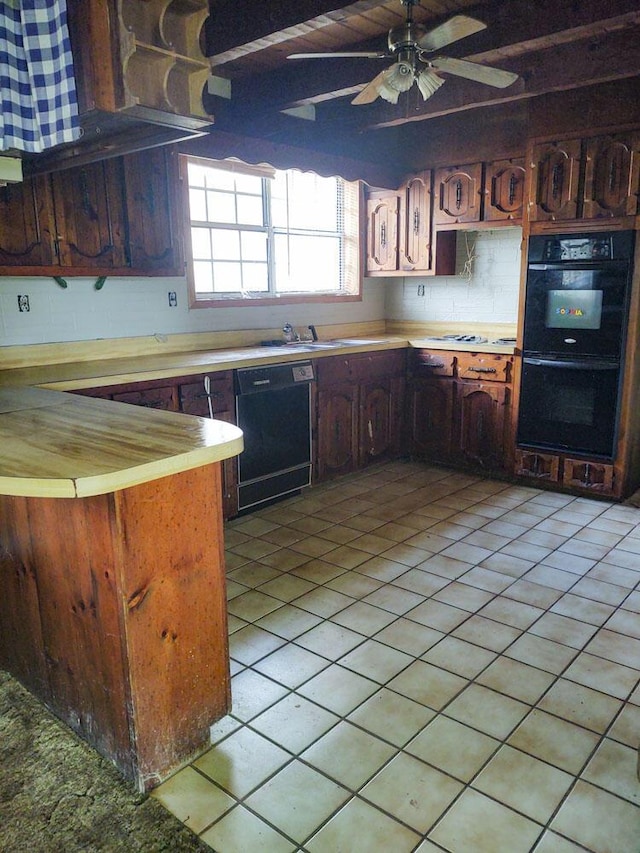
[352, 266]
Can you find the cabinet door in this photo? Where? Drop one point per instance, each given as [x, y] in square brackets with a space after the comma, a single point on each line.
[482, 421]
[538, 466]
[504, 193]
[554, 180]
[153, 220]
[612, 176]
[337, 451]
[588, 476]
[27, 224]
[89, 212]
[458, 194]
[377, 417]
[431, 407]
[382, 232]
[194, 400]
[414, 249]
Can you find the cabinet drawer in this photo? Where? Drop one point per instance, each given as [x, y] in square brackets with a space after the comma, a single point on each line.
[491, 367]
[374, 365]
[430, 362]
[334, 369]
[195, 401]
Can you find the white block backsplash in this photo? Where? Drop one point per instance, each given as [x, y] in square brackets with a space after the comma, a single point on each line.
[489, 294]
[130, 307]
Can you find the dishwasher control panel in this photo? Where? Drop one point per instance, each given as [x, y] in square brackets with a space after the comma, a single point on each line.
[302, 372]
[272, 377]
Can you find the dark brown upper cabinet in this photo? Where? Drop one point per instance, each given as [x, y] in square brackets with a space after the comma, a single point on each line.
[89, 216]
[414, 245]
[612, 176]
[117, 216]
[458, 194]
[555, 168]
[383, 210]
[26, 216]
[154, 220]
[504, 190]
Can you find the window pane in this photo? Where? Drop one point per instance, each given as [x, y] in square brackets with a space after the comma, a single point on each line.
[226, 244]
[254, 245]
[307, 264]
[305, 201]
[202, 277]
[227, 277]
[201, 243]
[221, 207]
[198, 205]
[248, 184]
[255, 278]
[250, 211]
[220, 179]
[196, 174]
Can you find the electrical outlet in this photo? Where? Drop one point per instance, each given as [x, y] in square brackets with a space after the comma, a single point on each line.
[23, 303]
[173, 299]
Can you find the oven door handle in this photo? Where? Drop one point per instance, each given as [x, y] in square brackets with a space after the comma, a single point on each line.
[586, 364]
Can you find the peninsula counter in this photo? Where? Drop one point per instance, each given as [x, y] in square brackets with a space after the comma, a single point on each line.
[113, 605]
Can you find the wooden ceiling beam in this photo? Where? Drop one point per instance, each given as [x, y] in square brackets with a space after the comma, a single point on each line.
[236, 29]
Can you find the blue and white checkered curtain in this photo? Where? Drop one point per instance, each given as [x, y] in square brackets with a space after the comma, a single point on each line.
[39, 107]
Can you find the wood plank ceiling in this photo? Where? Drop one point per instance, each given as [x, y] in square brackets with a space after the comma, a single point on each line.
[553, 45]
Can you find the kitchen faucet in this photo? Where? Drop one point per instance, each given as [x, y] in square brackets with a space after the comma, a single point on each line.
[290, 333]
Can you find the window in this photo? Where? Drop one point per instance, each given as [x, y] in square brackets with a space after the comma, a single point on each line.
[260, 234]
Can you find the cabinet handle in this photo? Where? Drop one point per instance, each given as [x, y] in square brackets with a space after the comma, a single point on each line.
[416, 221]
[512, 189]
[337, 431]
[482, 370]
[458, 194]
[370, 429]
[383, 235]
[433, 364]
[556, 180]
[612, 176]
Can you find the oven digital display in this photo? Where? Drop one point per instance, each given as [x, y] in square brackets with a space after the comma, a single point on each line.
[574, 309]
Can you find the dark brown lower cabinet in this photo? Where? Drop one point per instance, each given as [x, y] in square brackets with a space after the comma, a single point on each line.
[360, 411]
[431, 417]
[463, 422]
[482, 414]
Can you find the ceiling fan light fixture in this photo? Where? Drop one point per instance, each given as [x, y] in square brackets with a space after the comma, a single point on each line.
[428, 82]
[398, 78]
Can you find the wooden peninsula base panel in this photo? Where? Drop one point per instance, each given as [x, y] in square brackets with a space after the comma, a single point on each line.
[113, 607]
[114, 615]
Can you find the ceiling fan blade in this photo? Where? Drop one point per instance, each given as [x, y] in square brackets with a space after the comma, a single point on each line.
[458, 27]
[346, 54]
[370, 91]
[474, 71]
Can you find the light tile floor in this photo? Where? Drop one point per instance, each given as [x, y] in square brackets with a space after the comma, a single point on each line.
[426, 661]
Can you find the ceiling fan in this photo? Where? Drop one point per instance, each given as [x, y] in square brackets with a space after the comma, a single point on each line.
[411, 45]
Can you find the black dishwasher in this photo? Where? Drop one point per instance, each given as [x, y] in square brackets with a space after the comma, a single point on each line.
[273, 408]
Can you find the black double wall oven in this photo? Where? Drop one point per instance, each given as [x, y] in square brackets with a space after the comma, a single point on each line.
[576, 316]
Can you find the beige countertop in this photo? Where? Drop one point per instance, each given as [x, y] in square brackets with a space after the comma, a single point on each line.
[77, 375]
[59, 445]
